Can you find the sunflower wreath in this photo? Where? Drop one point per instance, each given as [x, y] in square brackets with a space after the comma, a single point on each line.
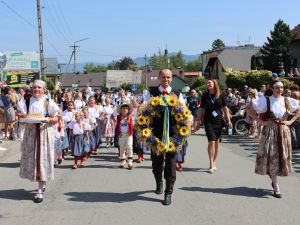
[153, 108]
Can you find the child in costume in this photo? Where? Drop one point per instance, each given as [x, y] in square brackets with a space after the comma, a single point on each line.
[124, 130]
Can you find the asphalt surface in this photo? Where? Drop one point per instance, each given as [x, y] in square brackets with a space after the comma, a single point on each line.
[101, 193]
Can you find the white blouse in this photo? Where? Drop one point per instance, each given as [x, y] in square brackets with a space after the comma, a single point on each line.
[79, 104]
[89, 123]
[38, 106]
[95, 111]
[277, 105]
[77, 129]
[68, 116]
[108, 110]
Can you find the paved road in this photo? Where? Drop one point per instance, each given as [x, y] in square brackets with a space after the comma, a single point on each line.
[102, 193]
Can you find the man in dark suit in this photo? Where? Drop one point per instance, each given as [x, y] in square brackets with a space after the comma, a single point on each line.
[158, 161]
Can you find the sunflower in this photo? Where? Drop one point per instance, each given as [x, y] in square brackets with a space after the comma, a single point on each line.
[172, 101]
[154, 101]
[184, 131]
[147, 120]
[141, 120]
[178, 117]
[186, 112]
[160, 147]
[171, 147]
[146, 133]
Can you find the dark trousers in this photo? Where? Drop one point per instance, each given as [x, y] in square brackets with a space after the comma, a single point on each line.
[169, 169]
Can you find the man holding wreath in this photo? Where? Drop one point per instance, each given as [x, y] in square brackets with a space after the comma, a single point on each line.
[158, 130]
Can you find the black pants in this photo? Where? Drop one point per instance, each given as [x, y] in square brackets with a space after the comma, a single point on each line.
[169, 169]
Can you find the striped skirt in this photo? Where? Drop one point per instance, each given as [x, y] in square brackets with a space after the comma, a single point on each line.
[275, 151]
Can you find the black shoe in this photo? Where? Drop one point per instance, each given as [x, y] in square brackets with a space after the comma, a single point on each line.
[37, 199]
[59, 161]
[167, 200]
[277, 194]
[159, 188]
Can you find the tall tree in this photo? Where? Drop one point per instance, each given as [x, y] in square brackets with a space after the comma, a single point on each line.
[276, 48]
[177, 60]
[127, 63]
[217, 44]
[193, 66]
[156, 62]
[91, 68]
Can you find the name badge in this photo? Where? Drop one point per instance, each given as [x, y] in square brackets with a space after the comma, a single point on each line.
[214, 113]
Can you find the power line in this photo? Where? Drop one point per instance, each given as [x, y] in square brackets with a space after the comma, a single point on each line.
[31, 25]
[64, 18]
[56, 22]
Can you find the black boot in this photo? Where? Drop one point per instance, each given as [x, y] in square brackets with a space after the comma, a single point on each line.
[159, 187]
[167, 200]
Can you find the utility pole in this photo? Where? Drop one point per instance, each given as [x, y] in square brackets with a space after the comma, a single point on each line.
[145, 70]
[41, 47]
[74, 46]
[74, 56]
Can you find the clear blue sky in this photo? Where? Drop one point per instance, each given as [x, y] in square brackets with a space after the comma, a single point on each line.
[117, 28]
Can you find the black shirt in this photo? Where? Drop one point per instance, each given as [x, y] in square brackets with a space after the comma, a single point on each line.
[210, 104]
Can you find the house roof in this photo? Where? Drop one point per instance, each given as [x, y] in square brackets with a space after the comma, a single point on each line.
[191, 74]
[296, 31]
[238, 58]
[83, 80]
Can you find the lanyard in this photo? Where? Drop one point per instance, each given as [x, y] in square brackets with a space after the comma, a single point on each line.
[212, 99]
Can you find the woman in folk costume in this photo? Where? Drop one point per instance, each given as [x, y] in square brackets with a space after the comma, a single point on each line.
[37, 160]
[274, 152]
[96, 112]
[108, 124]
[124, 130]
[91, 125]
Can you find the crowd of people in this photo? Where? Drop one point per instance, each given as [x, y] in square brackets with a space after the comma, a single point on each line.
[81, 121]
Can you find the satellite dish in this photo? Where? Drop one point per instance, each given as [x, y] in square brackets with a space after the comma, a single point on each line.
[2, 60]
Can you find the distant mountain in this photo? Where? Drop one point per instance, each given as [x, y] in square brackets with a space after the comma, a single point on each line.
[79, 67]
[140, 61]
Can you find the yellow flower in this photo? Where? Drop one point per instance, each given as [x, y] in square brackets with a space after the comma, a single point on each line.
[160, 147]
[141, 120]
[147, 120]
[154, 101]
[171, 147]
[172, 101]
[178, 117]
[184, 131]
[186, 112]
[146, 132]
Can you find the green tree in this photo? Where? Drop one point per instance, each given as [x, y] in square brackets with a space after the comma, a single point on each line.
[193, 66]
[155, 62]
[275, 50]
[91, 68]
[50, 86]
[199, 84]
[217, 44]
[126, 86]
[177, 61]
[113, 66]
[127, 63]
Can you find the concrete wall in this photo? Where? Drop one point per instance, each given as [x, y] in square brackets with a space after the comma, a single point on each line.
[117, 77]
